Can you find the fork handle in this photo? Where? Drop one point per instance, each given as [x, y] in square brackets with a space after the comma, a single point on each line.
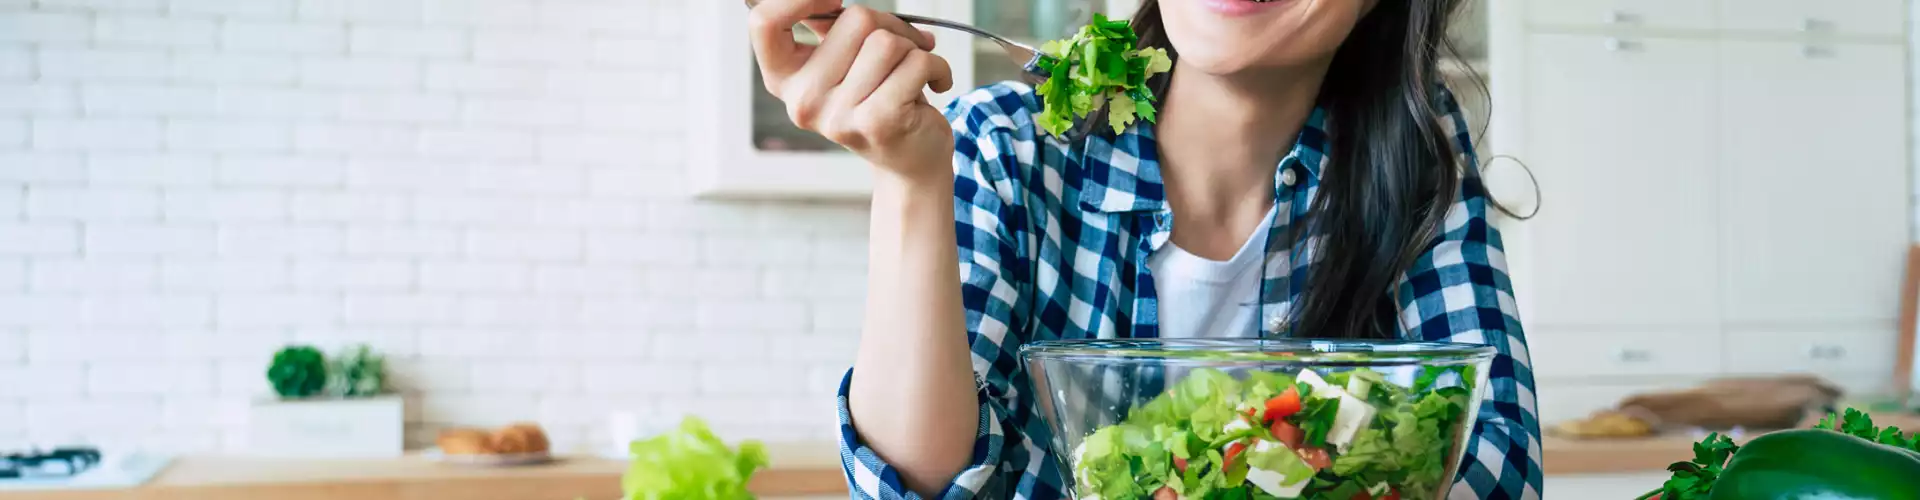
[932, 21]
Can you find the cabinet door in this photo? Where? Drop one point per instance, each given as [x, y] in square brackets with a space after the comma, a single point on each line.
[1683, 14]
[1850, 17]
[1815, 196]
[1585, 354]
[1620, 134]
[1828, 351]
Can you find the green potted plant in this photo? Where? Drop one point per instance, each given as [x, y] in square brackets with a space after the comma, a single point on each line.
[327, 407]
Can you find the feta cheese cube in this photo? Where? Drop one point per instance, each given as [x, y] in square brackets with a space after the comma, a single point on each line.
[1312, 379]
[1359, 386]
[1269, 481]
[1352, 416]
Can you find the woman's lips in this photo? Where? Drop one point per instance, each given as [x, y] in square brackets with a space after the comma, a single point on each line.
[1240, 7]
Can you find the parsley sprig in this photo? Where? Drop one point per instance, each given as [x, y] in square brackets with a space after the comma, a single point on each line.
[1858, 424]
[1693, 480]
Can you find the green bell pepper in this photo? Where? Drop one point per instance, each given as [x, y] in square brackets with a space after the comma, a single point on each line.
[1809, 464]
[1843, 458]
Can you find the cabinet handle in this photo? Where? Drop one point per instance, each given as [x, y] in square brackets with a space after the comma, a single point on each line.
[1827, 352]
[1622, 17]
[1623, 45]
[1634, 355]
[1810, 25]
[1817, 52]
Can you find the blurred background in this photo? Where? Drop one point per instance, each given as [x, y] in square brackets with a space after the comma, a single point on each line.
[586, 214]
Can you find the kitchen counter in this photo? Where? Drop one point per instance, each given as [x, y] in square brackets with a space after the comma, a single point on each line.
[1613, 456]
[797, 472]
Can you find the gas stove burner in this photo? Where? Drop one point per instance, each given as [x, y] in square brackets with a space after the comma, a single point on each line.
[55, 463]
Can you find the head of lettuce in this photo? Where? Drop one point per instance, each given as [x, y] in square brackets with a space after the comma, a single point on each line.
[691, 462]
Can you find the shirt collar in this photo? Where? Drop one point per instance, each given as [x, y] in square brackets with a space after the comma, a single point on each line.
[1121, 173]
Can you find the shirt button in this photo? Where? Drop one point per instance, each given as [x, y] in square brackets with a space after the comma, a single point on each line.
[1286, 177]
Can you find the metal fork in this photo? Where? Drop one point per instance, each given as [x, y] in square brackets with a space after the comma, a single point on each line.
[1022, 54]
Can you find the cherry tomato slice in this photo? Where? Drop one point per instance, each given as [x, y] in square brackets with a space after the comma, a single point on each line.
[1233, 450]
[1315, 457]
[1288, 434]
[1180, 463]
[1166, 493]
[1284, 405]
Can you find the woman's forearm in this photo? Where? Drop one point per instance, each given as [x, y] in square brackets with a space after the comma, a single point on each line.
[912, 395]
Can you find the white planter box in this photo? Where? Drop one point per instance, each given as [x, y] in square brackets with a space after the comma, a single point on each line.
[328, 428]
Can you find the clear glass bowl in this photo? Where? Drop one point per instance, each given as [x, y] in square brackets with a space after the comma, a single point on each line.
[1121, 411]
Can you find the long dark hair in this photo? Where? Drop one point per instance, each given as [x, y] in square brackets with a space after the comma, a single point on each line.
[1393, 171]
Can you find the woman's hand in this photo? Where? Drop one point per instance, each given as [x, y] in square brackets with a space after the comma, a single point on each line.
[862, 86]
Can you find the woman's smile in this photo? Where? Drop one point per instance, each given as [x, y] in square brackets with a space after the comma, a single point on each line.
[1242, 7]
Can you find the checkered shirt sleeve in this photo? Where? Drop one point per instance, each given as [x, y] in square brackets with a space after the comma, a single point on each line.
[992, 282]
[1459, 292]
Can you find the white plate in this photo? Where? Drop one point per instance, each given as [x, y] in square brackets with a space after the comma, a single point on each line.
[507, 460]
[114, 471]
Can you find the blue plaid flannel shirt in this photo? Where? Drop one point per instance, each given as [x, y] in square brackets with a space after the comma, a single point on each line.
[1054, 242]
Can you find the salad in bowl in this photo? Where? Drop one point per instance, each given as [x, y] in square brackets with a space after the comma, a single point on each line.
[1258, 419]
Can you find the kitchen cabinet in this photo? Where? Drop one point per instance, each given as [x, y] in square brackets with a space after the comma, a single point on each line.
[1877, 18]
[1725, 189]
[1859, 351]
[1682, 14]
[1813, 203]
[1639, 179]
[1618, 353]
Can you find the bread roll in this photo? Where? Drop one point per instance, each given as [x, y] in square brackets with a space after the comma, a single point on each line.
[465, 442]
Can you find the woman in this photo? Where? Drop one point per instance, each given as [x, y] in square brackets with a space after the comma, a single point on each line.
[1307, 177]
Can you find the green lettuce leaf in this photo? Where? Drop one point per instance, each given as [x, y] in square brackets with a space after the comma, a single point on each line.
[1104, 465]
[691, 463]
[1370, 449]
[1280, 460]
[1099, 65]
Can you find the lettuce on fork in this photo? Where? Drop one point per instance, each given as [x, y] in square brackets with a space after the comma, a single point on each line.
[1098, 66]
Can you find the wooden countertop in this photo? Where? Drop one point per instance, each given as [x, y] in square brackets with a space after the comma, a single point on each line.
[1609, 456]
[798, 471]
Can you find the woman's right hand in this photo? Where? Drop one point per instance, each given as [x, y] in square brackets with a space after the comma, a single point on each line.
[862, 86]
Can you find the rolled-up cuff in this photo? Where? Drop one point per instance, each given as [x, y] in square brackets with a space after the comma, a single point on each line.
[870, 477]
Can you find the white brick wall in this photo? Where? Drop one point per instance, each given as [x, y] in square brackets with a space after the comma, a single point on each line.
[490, 191]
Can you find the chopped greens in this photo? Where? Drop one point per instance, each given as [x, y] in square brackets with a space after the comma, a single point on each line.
[1098, 66]
[1214, 436]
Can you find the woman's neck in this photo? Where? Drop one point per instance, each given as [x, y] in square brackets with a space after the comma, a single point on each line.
[1220, 139]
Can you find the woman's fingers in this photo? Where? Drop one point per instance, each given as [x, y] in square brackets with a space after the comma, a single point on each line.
[806, 93]
[770, 25]
[882, 52]
[918, 71]
[840, 45]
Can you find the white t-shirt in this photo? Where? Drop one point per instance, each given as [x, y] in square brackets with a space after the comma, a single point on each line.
[1210, 298]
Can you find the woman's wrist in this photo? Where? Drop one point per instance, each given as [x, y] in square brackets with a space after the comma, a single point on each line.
[912, 183]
